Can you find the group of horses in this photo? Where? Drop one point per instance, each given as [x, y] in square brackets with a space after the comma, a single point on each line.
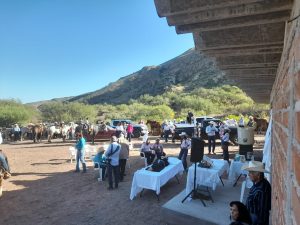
[38, 132]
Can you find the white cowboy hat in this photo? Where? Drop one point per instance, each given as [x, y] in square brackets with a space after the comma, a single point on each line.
[211, 122]
[182, 134]
[255, 166]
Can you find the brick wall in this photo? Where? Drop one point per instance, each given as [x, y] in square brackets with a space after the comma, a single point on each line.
[285, 103]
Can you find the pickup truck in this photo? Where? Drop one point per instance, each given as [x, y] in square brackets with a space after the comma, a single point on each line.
[203, 122]
[138, 129]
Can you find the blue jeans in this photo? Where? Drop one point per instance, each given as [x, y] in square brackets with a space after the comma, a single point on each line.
[4, 162]
[182, 156]
[80, 157]
[211, 143]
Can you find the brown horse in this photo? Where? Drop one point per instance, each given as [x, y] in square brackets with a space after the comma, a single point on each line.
[155, 127]
[37, 132]
[261, 125]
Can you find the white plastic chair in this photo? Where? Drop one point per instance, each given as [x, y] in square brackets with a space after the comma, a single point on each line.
[97, 168]
[72, 154]
[143, 156]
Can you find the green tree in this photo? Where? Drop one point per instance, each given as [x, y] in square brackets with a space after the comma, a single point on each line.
[13, 111]
[58, 111]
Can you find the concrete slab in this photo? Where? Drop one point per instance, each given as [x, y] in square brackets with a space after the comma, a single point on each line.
[217, 212]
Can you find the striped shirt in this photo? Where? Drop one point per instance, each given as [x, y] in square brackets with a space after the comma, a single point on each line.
[259, 202]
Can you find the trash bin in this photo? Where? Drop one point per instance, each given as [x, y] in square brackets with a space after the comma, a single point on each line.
[245, 140]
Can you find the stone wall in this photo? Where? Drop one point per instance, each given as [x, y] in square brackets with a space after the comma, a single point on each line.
[285, 102]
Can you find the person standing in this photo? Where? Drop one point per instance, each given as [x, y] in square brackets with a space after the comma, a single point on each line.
[166, 131]
[225, 143]
[124, 154]
[129, 131]
[16, 132]
[80, 144]
[112, 159]
[251, 122]
[211, 133]
[241, 122]
[184, 149]
[119, 129]
[259, 198]
[189, 117]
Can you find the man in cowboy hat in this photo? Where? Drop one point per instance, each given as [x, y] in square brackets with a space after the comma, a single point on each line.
[211, 133]
[112, 157]
[259, 198]
[184, 148]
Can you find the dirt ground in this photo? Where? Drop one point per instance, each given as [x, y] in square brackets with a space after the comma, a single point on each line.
[45, 190]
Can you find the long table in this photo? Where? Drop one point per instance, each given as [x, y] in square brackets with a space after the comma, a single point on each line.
[147, 179]
[208, 177]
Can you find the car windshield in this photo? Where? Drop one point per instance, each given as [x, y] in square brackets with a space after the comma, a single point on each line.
[199, 120]
[206, 122]
[116, 122]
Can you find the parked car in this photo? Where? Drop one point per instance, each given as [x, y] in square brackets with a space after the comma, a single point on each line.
[101, 135]
[138, 129]
[190, 130]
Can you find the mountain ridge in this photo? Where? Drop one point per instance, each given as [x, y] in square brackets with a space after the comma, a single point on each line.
[190, 70]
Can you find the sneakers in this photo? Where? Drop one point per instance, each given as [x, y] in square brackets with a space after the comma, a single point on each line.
[110, 188]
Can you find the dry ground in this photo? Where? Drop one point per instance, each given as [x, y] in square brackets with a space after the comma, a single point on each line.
[45, 190]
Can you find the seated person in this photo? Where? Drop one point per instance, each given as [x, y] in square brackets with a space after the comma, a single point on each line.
[99, 160]
[149, 154]
[4, 162]
[158, 148]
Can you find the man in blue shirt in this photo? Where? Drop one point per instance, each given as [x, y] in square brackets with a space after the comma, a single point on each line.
[80, 153]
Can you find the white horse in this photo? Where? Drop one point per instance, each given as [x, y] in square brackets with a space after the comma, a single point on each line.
[65, 132]
[52, 130]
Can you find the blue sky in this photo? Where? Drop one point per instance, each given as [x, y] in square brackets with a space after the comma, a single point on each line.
[54, 48]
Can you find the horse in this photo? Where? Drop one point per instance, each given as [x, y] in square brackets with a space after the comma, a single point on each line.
[65, 132]
[261, 125]
[26, 132]
[37, 132]
[53, 130]
[155, 127]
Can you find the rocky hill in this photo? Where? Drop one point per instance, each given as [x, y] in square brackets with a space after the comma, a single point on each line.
[189, 70]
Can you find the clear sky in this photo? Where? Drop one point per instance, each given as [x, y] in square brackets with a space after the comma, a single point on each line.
[54, 48]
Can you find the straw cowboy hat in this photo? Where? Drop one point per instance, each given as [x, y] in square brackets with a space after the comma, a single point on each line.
[255, 166]
[114, 139]
[101, 149]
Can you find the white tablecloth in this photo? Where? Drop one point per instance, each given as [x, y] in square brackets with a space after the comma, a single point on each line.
[235, 170]
[154, 180]
[206, 177]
